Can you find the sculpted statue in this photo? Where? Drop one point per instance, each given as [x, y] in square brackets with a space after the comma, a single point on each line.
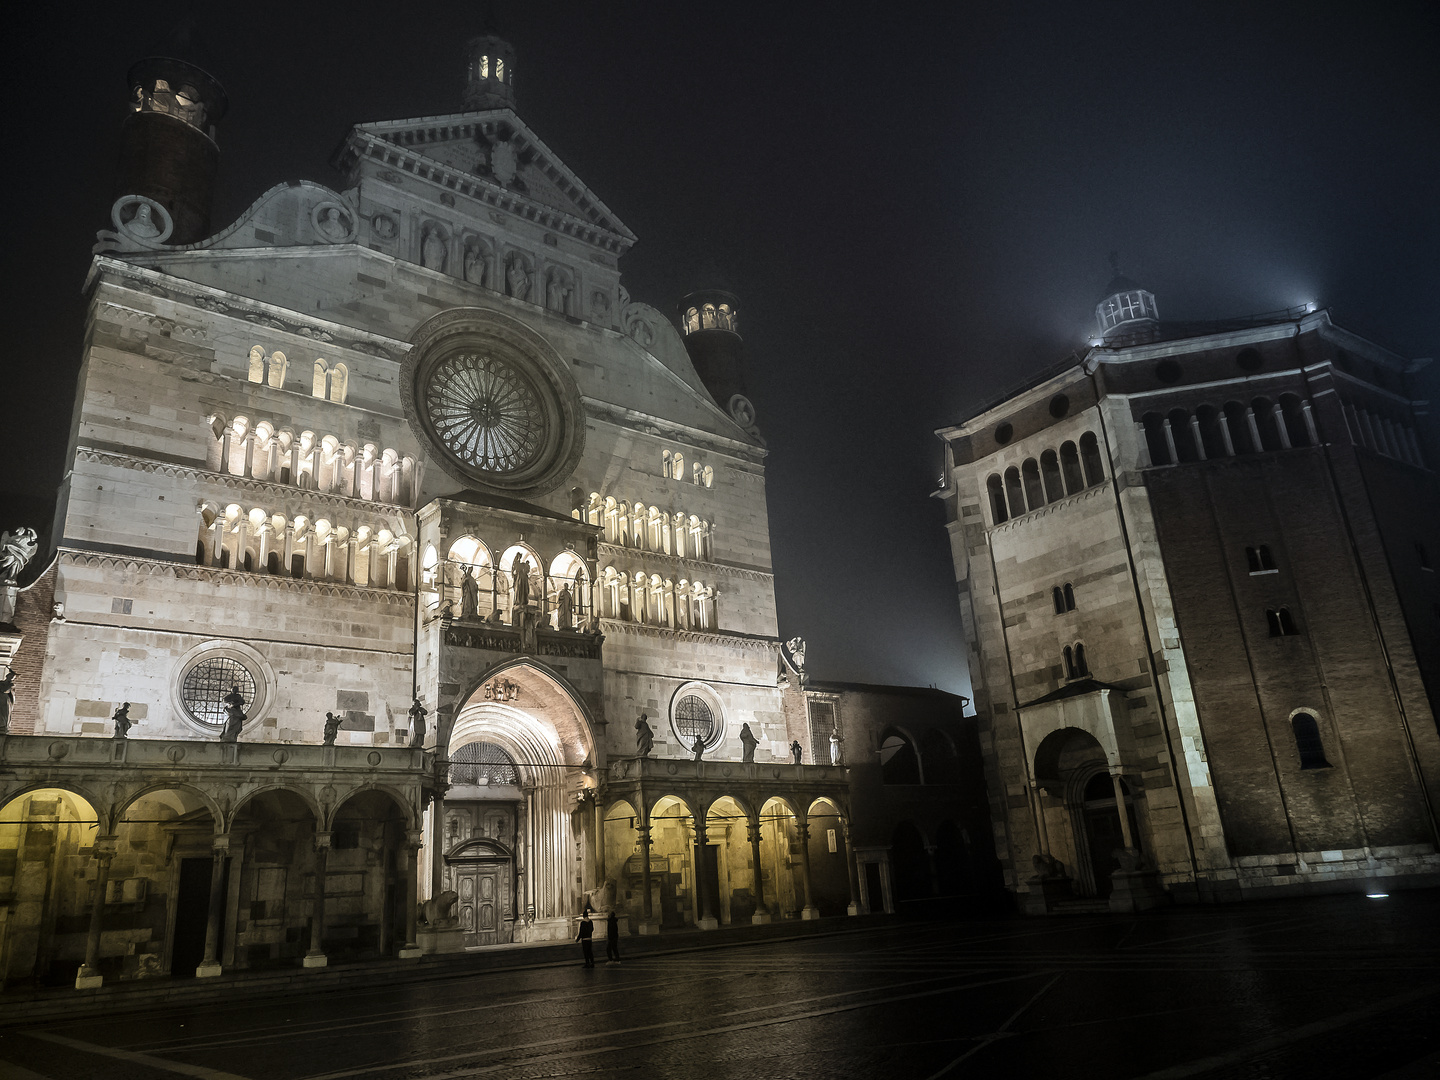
[384, 226]
[439, 911]
[143, 224]
[748, 742]
[796, 645]
[520, 571]
[1047, 866]
[332, 226]
[834, 746]
[7, 698]
[600, 307]
[122, 721]
[16, 549]
[699, 747]
[644, 736]
[234, 716]
[469, 595]
[517, 281]
[474, 265]
[796, 751]
[565, 605]
[332, 728]
[432, 250]
[418, 713]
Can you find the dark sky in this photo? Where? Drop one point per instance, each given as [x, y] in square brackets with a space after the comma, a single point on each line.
[914, 202]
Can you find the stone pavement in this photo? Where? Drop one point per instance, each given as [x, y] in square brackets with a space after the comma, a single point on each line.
[1332, 987]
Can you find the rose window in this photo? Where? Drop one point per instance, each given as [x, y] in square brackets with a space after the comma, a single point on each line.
[486, 413]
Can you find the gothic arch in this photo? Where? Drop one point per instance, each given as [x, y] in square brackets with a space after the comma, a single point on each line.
[407, 811]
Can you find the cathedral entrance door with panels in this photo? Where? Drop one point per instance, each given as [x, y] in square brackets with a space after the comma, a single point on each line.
[483, 887]
[1102, 829]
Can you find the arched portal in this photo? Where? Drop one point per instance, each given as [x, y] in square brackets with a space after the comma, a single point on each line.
[829, 872]
[515, 835]
[1080, 819]
[779, 851]
[672, 839]
[729, 875]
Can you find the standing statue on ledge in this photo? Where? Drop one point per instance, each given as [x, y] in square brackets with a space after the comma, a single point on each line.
[749, 742]
[122, 721]
[565, 604]
[7, 698]
[835, 746]
[699, 747]
[16, 549]
[474, 265]
[418, 713]
[644, 736]
[234, 716]
[795, 751]
[432, 250]
[332, 728]
[517, 281]
[469, 595]
[520, 572]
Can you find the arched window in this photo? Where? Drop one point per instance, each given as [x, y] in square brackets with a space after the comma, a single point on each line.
[257, 364]
[1090, 457]
[1013, 491]
[996, 490]
[1155, 442]
[1069, 594]
[1184, 438]
[665, 464]
[339, 383]
[482, 763]
[1307, 742]
[1034, 492]
[679, 466]
[707, 475]
[1259, 559]
[942, 766]
[1050, 473]
[707, 316]
[1069, 654]
[319, 384]
[1292, 414]
[1058, 598]
[899, 764]
[1238, 425]
[1212, 439]
[1082, 669]
[1070, 467]
[1264, 411]
[1281, 624]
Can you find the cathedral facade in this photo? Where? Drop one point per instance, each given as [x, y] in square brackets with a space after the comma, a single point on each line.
[402, 559]
[1196, 567]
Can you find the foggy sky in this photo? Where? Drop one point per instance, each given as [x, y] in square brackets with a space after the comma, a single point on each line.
[915, 204]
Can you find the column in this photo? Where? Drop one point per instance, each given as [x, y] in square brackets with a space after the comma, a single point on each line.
[262, 565]
[757, 877]
[248, 450]
[289, 550]
[210, 965]
[225, 450]
[88, 977]
[1120, 805]
[329, 557]
[1277, 417]
[1225, 435]
[1195, 434]
[1254, 429]
[704, 917]
[809, 911]
[316, 958]
[852, 872]
[600, 873]
[648, 925]
[1170, 440]
[437, 846]
[417, 474]
[1309, 415]
[1144, 447]
[217, 540]
[411, 854]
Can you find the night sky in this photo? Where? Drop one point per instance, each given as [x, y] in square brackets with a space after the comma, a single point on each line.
[915, 203]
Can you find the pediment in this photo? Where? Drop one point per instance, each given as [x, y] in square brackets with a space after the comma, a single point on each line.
[494, 149]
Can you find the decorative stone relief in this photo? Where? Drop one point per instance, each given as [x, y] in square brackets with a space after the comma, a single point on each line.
[333, 223]
[142, 220]
[385, 226]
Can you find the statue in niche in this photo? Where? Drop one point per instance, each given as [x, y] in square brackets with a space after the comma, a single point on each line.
[16, 550]
[143, 223]
[332, 226]
[234, 715]
[469, 595]
[699, 747]
[556, 292]
[475, 265]
[122, 721]
[520, 572]
[748, 742]
[384, 226]
[565, 606]
[517, 279]
[834, 746]
[796, 751]
[332, 728]
[644, 736]
[418, 713]
[432, 250]
[7, 699]
[600, 307]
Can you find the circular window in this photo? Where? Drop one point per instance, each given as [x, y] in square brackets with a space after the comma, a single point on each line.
[494, 402]
[1059, 406]
[696, 713]
[1004, 433]
[1249, 360]
[206, 686]
[1168, 371]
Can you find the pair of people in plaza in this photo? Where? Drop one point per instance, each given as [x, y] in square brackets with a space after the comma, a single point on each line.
[612, 937]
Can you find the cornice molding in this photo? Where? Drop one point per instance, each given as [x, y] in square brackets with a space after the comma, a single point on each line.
[237, 483]
[741, 641]
[215, 575]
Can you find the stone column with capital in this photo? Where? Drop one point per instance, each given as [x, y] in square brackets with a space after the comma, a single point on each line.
[210, 965]
[316, 958]
[852, 873]
[88, 977]
[757, 879]
[411, 854]
[704, 917]
[648, 923]
[810, 911]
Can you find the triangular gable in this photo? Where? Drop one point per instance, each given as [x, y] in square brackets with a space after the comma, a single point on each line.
[465, 142]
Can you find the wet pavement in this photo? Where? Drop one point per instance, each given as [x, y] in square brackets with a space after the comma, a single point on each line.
[1329, 987]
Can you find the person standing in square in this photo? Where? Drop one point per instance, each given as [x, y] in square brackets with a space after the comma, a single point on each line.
[587, 929]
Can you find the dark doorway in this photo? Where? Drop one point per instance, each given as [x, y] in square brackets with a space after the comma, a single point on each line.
[910, 864]
[192, 912]
[873, 889]
[1102, 828]
[712, 881]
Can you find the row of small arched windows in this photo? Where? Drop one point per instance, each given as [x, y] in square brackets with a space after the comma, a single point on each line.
[1234, 428]
[635, 525]
[1048, 480]
[263, 542]
[1382, 434]
[656, 601]
[329, 381]
[315, 462]
[1076, 666]
[672, 465]
[711, 317]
